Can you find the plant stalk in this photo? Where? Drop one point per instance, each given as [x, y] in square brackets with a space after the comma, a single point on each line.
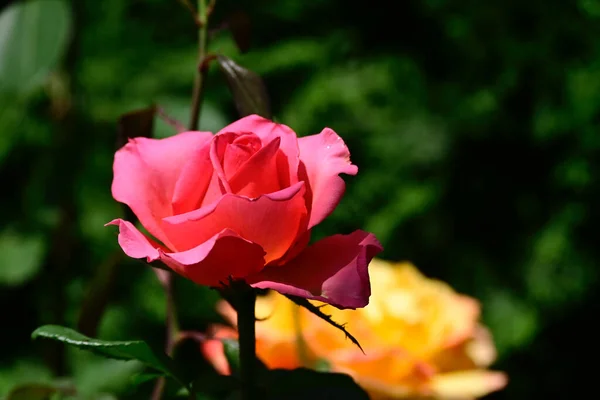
[166, 279]
[246, 300]
[202, 68]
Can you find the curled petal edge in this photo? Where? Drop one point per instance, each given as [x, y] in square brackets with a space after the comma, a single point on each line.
[204, 264]
[333, 270]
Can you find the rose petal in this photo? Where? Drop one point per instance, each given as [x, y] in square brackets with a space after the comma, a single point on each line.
[213, 351]
[240, 149]
[225, 255]
[267, 130]
[271, 221]
[258, 175]
[322, 158]
[481, 349]
[299, 245]
[467, 384]
[217, 152]
[222, 256]
[333, 270]
[146, 172]
[134, 243]
[193, 181]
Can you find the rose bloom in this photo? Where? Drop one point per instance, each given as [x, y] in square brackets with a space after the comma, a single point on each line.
[241, 204]
[422, 340]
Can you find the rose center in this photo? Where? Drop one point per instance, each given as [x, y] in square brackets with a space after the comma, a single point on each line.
[238, 151]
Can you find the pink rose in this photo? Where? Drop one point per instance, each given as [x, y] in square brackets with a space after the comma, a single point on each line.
[242, 204]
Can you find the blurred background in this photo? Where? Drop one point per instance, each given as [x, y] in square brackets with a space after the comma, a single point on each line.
[474, 126]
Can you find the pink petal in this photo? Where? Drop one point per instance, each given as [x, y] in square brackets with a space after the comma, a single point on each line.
[333, 270]
[146, 172]
[213, 262]
[193, 182]
[134, 243]
[239, 151]
[258, 175]
[213, 351]
[217, 152]
[268, 130]
[322, 158]
[222, 256]
[272, 221]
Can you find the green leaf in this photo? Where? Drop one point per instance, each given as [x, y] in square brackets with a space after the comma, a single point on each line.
[119, 350]
[33, 37]
[304, 383]
[248, 89]
[231, 348]
[20, 257]
[143, 377]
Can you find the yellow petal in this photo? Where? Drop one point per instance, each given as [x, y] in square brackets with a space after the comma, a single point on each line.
[467, 384]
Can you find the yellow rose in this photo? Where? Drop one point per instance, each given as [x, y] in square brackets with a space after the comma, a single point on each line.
[421, 338]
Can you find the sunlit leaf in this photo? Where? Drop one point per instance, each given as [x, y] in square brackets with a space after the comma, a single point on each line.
[119, 350]
[33, 36]
[248, 89]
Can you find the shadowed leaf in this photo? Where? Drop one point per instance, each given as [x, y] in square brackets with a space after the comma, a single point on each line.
[32, 392]
[239, 25]
[304, 383]
[248, 89]
[138, 123]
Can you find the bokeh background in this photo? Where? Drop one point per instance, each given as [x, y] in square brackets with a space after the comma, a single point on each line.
[474, 125]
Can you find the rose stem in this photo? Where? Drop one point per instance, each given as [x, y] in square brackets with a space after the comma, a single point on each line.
[202, 68]
[166, 279]
[246, 300]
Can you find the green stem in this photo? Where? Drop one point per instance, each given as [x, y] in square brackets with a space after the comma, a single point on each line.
[202, 68]
[246, 300]
[172, 327]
